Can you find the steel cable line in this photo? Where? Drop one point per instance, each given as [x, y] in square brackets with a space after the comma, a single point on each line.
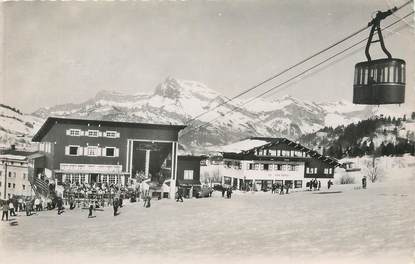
[289, 68]
[292, 78]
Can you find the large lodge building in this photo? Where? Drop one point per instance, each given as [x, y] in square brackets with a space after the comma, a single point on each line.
[89, 151]
[258, 162]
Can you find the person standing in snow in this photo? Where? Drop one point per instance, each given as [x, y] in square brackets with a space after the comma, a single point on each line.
[11, 208]
[282, 189]
[115, 206]
[5, 211]
[319, 185]
[91, 207]
[364, 182]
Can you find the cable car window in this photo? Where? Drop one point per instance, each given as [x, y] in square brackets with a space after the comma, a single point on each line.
[356, 71]
[361, 76]
[366, 75]
[391, 74]
[403, 73]
[381, 76]
[397, 75]
[375, 75]
[385, 77]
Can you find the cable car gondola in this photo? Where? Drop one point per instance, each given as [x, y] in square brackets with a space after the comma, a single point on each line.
[380, 81]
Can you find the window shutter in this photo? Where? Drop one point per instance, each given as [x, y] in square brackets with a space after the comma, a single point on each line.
[99, 150]
[68, 132]
[85, 150]
[116, 152]
[99, 134]
[117, 135]
[79, 151]
[66, 150]
[104, 152]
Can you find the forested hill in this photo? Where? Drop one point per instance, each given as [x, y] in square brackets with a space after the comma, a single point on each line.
[385, 135]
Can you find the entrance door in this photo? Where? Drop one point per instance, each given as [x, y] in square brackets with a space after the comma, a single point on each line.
[94, 178]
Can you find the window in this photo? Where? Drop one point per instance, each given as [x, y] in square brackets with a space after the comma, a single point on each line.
[188, 175]
[73, 150]
[111, 134]
[75, 178]
[82, 178]
[272, 152]
[24, 176]
[73, 132]
[250, 166]
[93, 151]
[10, 174]
[93, 133]
[278, 167]
[9, 185]
[298, 184]
[24, 187]
[112, 179]
[110, 152]
[0, 184]
[256, 166]
[14, 185]
[266, 166]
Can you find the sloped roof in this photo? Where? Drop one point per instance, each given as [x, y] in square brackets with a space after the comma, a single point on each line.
[251, 144]
[53, 120]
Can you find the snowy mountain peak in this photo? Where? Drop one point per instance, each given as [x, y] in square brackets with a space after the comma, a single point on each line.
[175, 89]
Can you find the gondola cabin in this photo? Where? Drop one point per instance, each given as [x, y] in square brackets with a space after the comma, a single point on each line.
[379, 82]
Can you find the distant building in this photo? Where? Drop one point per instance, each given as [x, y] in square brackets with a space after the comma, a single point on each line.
[98, 151]
[259, 162]
[188, 173]
[14, 178]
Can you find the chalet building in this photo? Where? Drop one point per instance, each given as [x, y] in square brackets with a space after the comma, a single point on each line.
[14, 178]
[188, 174]
[258, 162]
[98, 151]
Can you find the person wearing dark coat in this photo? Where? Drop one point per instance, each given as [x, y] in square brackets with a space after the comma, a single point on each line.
[319, 185]
[223, 191]
[91, 208]
[282, 189]
[115, 206]
[179, 195]
[59, 204]
[5, 211]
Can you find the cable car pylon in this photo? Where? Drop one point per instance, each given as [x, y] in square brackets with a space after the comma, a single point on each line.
[380, 81]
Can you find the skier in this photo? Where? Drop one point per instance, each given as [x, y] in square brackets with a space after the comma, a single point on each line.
[115, 206]
[91, 207]
[59, 203]
[179, 195]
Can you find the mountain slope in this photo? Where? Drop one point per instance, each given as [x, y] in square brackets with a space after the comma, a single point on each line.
[179, 101]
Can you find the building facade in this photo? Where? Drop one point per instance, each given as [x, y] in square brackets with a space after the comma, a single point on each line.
[188, 174]
[98, 151]
[14, 175]
[258, 163]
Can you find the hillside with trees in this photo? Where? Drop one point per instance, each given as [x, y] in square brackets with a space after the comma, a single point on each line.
[383, 136]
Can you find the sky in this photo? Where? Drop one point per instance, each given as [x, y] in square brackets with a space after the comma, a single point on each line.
[65, 52]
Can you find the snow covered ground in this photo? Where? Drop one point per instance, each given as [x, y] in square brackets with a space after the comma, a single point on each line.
[376, 225]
